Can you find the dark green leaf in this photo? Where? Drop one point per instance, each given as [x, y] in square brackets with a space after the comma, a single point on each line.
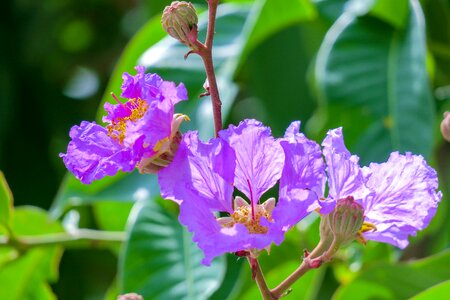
[397, 281]
[366, 63]
[122, 188]
[160, 261]
[269, 16]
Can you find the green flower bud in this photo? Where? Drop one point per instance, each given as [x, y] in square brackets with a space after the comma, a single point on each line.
[180, 20]
[346, 220]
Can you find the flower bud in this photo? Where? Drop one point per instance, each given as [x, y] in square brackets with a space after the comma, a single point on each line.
[346, 220]
[130, 296]
[445, 126]
[180, 20]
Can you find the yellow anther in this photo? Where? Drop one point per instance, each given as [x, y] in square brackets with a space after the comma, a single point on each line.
[117, 129]
[243, 215]
[365, 227]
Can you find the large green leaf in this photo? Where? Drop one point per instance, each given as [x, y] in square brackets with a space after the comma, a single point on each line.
[439, 291]
[26, 277]
[6, 201]
[270, 16]
[397, 281]
[367, 63]
[160, 261]
[122, 188]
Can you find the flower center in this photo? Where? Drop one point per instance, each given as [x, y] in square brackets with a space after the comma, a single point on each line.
[117, 128]
[250, 218]
[243, 215]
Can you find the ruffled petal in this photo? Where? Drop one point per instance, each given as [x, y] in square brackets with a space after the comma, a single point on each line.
[404, 200]
[92, 154]
[211, 237]
[202, 169]
[345, 177]
[144, 86]
[259, 157]
[155, 126]
[173, 93]
[302, 181]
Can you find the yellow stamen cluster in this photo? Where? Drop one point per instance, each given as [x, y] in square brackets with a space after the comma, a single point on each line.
[117, 128]
[243, 215]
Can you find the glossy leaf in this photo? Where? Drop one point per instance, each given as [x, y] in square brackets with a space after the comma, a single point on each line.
[160, 261]
[121, 188]
[439, 291]
[397, 281]
[366, 63]
[6, 201]
[270, 16]
[26, 277]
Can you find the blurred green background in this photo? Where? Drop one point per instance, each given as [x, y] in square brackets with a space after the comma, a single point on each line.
[379, 68]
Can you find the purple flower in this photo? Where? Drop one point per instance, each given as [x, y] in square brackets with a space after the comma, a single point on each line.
[202, 178]
[142, 132]
[399, 196]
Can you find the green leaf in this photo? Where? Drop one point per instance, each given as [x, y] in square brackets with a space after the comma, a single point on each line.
[366, 63]
[439, 291]
[269, 16]
[397, 281]
[124, 187]
[160, 261]
[6, 201]
[26, 277]
[393, 12]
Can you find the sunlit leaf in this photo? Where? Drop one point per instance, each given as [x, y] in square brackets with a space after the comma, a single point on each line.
[366, 63]
[27, 276]
[439, 291]
[160, 261]
[397, 281]
[6, 201]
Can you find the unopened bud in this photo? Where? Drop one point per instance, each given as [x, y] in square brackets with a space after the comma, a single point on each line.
[130, 296]
[346, 220]
[180, 20]
[445, 126]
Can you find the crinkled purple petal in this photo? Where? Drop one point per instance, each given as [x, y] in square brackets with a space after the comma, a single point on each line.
[302, 181]
[155, 125]
[116, 111]
[173, 93]
[203, 169]
[259, 157]
[144, 86]
[404, 199]
[345, 177]
[92, 154]
[212, 238]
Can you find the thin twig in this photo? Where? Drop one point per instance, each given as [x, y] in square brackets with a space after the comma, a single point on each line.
[76, 239]
[260, 280]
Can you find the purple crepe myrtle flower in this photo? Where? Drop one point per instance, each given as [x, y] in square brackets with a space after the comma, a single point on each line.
[202, 178]
[142, 132]
[399, 197]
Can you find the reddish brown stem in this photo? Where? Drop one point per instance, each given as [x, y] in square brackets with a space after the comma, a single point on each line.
[259, 278]
[206, 54]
